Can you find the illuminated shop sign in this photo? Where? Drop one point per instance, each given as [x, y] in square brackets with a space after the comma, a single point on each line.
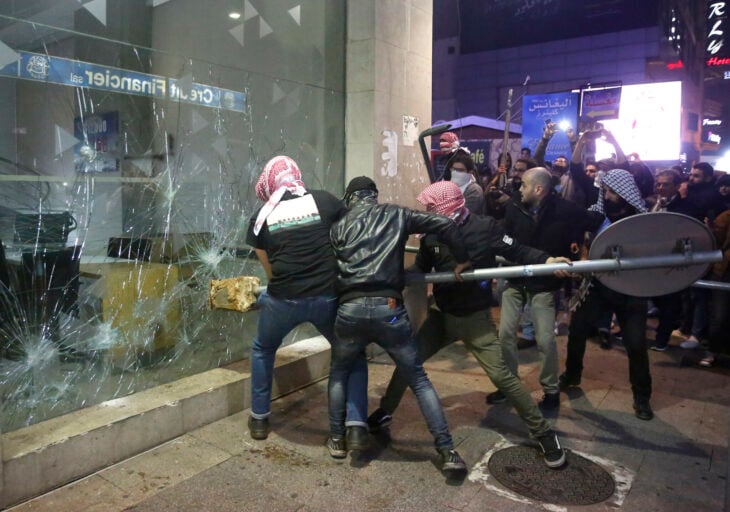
[57, 70]
[710, 128]
[716, 50]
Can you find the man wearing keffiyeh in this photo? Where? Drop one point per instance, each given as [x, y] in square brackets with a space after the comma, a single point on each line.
[462, 310]
[290, 234]
[618, 198]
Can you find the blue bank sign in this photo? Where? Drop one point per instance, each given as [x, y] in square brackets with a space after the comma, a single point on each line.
[57, 70]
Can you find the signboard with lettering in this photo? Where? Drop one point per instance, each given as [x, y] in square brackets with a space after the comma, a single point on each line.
[538, 110]
[711, 129]
[57, 70]
[598, 105]
[716, 48]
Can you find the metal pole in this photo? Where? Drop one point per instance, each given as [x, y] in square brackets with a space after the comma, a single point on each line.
[712, 285]
[578, 267]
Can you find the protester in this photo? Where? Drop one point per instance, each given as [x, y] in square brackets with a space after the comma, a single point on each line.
[290, 234]
[544, 220]
[618, 198]
[462, 311]
[369, 243]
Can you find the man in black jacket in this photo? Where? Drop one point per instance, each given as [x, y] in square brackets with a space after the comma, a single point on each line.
[462, 311]
[369, 243]
[618, 198]
[544, 220]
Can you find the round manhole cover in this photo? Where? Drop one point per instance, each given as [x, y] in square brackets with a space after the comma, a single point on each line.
[578, 482]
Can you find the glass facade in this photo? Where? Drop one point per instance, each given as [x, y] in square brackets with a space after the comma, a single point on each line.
[131, 135]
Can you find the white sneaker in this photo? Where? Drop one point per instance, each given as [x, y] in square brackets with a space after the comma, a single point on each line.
[690, 343]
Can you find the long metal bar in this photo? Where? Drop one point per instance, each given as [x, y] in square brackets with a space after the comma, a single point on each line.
[712, 285]
[577, 267]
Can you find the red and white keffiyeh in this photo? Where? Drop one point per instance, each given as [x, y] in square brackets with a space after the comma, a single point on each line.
[444, 198]
[280, 174]
[449, 142]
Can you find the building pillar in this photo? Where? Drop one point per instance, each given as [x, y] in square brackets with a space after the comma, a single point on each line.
[389, 47]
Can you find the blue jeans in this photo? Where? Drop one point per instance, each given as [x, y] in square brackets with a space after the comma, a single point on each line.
[383, 321]
[276, 318]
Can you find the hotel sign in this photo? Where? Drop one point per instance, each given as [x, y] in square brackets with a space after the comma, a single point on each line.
[716, 49]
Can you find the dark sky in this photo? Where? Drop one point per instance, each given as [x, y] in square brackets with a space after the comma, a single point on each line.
[492, 24]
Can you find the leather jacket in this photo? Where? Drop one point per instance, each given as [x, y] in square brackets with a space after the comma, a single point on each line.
[369, 243]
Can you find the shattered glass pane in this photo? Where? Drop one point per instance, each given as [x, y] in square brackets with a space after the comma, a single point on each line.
[131, 134]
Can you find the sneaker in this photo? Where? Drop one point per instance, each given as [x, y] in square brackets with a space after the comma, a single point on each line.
[553, 453]
[690, 343]
[523, 343]
[451, 461]
[337, 447]
[565, 381]
[496, 397]
[258, 428]
[550, 401]
[642, 409]
[707, 361]
[659, 347]
[357, 438]
[379, 420]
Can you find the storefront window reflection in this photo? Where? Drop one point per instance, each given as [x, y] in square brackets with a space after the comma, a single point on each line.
[130, 136]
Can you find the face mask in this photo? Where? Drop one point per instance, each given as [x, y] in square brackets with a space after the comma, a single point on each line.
[614, 211]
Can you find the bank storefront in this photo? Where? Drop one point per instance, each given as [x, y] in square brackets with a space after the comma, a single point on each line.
[131, 133]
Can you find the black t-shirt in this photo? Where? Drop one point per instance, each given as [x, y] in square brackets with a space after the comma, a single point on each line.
[296, 238]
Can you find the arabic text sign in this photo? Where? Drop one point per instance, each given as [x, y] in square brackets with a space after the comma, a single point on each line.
[599, 104]
[57, 70]
[540, 109]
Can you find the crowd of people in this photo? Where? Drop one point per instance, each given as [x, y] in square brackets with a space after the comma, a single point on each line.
[340, 264]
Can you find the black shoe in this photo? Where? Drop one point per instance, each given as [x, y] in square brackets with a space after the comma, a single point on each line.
[565, 381]
[496, 397]
[642, 409]
[553, 453]
[550, 401]
[451, 461]
[659, 347]
[379, 420]
[523, 343]
[357, 438]
[259, 429]
[336, 447]
[604, 340]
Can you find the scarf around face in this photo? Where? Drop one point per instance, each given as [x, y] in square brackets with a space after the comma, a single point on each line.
[621, 182]
[444, 198]
[280, 174]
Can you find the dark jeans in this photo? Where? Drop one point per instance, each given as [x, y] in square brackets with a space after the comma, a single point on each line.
[373, 320]
[719, 321]
[276, 318]
[631, 316]
[670, 316]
